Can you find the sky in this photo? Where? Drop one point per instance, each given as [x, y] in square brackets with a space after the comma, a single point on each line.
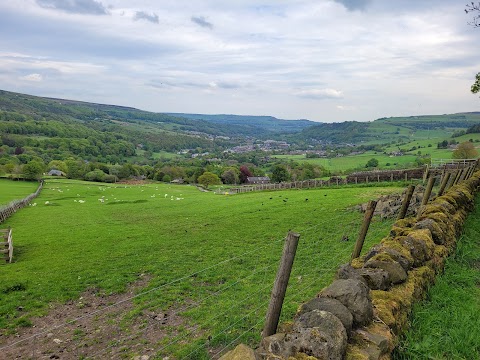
[322, 60]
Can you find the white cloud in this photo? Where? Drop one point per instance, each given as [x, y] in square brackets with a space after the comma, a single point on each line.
[32, 77]
[320, 94]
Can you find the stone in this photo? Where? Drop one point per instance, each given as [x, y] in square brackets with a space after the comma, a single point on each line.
[377, 279]
[438, 235]
[274, 344]
[332, 306]
[381, 342]
[420, 245]
[394, 254]
[241, 352]
[318, 333]
[354, 294]
[347, 271]
[395, 271]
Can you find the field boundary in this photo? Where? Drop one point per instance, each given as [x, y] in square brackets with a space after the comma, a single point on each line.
[361, 314]
[15, 205]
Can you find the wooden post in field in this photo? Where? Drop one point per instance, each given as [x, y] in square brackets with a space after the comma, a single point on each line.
[428, 190]
[280, 285]
[443, 185]
[406, 176]
[406, 202]
[363, 231]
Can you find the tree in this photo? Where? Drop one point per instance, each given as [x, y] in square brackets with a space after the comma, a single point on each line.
[372, 163]
[57, 165]
[280, 173]
[244, 174]
[230, 176]
[209, 178]
[95, 175]
[465, 150]
[474, 8]
[33, 170]
[476, 85]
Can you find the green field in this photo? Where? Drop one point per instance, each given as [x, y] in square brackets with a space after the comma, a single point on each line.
[15, 190]
[219, 252]
[356, 162]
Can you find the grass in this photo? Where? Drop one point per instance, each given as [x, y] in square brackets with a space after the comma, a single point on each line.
[357, 162]
[446, 324]
[218, 251]
[15, 190]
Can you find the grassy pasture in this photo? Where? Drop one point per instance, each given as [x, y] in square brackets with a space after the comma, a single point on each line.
[218, 250]
[356, 161]
[15, 190]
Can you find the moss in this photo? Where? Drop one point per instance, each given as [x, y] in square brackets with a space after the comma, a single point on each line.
[386, 307]
[285, 327]
[432, 208]
[383, 256]
[437, 229]
[444, 205]
[425, 236]
[395, 245]
[355, 352]
[402, 227]
[437, 262]
[376, 334]
[358, 262]
[394, 306]
[302, 356]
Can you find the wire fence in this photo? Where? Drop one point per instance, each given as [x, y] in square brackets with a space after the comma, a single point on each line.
[200, 315]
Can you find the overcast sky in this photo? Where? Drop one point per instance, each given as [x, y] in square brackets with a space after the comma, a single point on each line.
[323, 60]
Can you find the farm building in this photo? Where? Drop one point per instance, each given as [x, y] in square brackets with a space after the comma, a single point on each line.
[258, 180]
[55, 172]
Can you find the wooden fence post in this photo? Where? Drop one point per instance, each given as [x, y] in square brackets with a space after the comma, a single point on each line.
[471, 171]
[406, 202]
[280, 285]
[428, 190]
[425, 174]
[463, 175]
[451, 182]
[443, 185]
[364, 229]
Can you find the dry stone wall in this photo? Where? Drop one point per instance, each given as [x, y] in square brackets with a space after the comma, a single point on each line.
[362, 313]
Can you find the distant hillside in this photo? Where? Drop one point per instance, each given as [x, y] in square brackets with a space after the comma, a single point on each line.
[189, 124]
[386, 130]
[263, 123]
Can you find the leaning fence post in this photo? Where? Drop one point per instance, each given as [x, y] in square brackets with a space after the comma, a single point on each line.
[406, 202]
[363, 231]
[443, 185]
[280, 285]
[428, 190]
[459, 175]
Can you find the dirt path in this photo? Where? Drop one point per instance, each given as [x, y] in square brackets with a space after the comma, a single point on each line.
[93, 327]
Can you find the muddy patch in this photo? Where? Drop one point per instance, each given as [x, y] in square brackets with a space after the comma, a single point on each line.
[96, 326]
